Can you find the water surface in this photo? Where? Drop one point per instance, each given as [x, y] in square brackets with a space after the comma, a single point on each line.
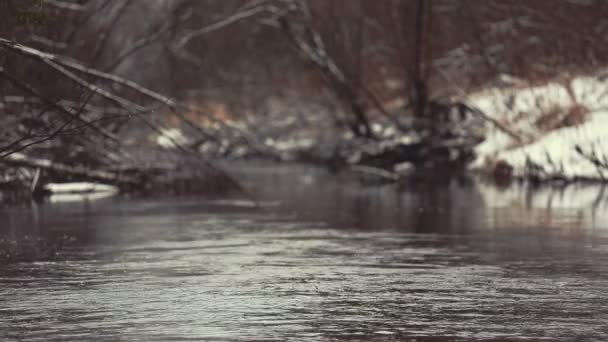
[320, 258]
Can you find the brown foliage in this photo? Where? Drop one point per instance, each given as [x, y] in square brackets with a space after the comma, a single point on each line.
[559, 117]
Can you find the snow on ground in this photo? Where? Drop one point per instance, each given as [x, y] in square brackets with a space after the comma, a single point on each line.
[79, 187]
[520, 108]
[559, 145]
[171, 137]
[79, 191]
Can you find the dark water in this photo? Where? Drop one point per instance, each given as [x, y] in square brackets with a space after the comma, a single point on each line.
[323, 258]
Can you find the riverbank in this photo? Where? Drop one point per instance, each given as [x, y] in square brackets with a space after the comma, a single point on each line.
[561, 125]
[542, 133]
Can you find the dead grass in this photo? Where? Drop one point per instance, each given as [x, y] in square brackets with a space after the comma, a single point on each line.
[558, 117]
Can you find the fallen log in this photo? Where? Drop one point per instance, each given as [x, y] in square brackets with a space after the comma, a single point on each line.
[22, 160]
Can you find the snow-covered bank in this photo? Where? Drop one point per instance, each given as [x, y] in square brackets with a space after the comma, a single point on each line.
[555, 152]
[551, 120]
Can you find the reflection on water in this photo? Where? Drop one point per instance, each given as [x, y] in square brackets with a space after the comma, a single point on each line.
[321, 258]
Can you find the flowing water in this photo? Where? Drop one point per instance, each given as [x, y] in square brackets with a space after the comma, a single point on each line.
[320, 258]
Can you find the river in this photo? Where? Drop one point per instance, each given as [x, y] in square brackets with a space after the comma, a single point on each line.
[320, 257]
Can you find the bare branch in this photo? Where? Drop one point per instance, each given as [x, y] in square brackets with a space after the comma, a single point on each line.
[64, 5]
[18, 147]
[48, 42]
[180, 47]
[138, 45]
[65, 110]
[54, 62]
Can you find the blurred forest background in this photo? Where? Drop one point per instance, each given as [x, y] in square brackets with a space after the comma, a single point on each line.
[86, 84]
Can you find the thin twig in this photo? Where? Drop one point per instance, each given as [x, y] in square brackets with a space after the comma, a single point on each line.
[65, 110]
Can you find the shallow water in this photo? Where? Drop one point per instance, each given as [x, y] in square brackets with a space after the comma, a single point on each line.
[320, 258]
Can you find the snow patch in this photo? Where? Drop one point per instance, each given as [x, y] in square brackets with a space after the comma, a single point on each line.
[79, 191]
[520, 109]
[171, 138]
[556, 153]
[79, 187]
